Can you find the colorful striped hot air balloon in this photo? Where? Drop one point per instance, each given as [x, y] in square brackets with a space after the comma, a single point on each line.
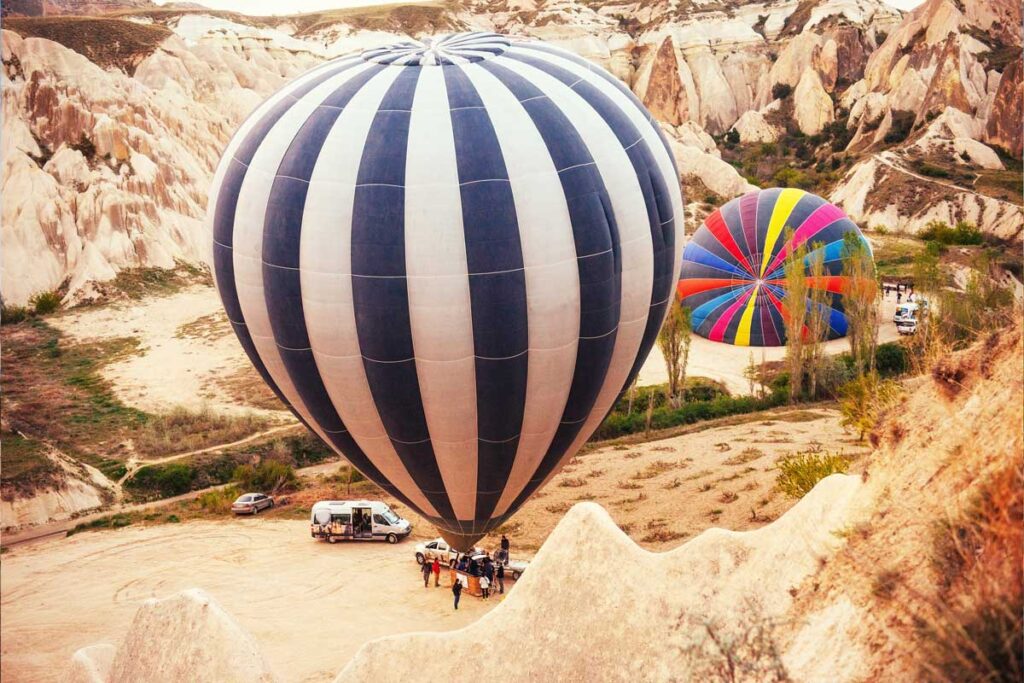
[733, 272]
[448, 259]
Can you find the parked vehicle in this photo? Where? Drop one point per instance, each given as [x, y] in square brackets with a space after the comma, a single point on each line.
[909, 311]
[439, 548]
[335, 520]
[252, 503]
[906, 326]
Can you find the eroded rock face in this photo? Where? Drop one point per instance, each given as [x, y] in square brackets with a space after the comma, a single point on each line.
[812, 106]
[753, 127]
[1003, 127]
[102, 171]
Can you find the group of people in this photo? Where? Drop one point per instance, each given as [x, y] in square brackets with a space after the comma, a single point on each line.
[900, 289]
[490, 572]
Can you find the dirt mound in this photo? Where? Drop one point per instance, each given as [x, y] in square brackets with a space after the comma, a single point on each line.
[186, 637]
[649, 616]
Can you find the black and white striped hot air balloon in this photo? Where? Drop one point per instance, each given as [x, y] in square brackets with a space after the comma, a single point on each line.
[448, 259]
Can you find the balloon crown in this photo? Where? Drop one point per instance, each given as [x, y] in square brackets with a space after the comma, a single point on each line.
[455, 48]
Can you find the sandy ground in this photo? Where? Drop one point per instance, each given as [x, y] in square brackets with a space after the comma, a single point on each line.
[309, 605]
[189, 354]
[665, 491]
[187, 351]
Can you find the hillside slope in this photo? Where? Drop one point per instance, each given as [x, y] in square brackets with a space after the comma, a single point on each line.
[108, 144]
[776, 598]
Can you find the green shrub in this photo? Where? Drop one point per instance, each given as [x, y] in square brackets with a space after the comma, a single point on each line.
[12, 314]
[172, 479]
[266, 476]
[218, 500]
[173, 519]
[781, 91]
[799, 473]
[926, 169]
[791, 177]
[964, 233]
[45, 302]
[620, 424]
[891, 359]
[902, 122]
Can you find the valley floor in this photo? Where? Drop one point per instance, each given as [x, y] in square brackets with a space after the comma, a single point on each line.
[309, 605]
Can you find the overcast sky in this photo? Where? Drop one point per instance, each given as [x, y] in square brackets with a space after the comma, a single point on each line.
[269, 7]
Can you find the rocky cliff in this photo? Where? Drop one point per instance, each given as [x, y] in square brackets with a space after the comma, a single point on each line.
[107, 153]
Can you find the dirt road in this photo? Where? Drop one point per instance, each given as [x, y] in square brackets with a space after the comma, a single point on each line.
[309, 605]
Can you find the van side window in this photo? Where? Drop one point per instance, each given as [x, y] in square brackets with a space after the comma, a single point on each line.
[377, 519]
[346, 518]
[432, 545]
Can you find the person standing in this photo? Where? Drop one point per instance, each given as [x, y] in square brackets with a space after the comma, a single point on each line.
[457, 590]
[504, 548]
[485, 587]
[426, 569]
[500, 574]
[437, 572]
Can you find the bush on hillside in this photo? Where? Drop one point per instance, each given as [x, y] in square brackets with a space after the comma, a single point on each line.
[963, 233]
[799, 473]
[44, 303]
[268, 476]
[218, 501]
[12, 314]
[892, 359]
[172, 479]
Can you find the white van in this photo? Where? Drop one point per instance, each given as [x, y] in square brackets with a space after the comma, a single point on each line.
[358, 520]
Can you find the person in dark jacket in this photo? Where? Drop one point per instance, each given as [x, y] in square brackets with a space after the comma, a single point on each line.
[501, 578]
[457, 591]
[474, 568]
[504, 548]
[427, 569]
[489, 569]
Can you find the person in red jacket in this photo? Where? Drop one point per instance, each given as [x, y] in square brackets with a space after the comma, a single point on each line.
[437, 572]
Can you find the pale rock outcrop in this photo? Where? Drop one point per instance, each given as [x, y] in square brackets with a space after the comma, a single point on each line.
[717, 175]
[753, 127]
[187, 638]
[102, 171]
[812, 106]
[665, 85]
[659, 634]
[694, 136]
[90, 664]
[879, 191]
[975, 153]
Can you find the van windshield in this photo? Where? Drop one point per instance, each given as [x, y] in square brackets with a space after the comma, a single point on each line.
[391, 517]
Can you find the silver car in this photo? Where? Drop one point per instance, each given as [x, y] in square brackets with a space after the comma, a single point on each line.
[252, 503]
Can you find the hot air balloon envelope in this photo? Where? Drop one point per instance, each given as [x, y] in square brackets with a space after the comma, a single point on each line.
[448, 259]
[733, 273]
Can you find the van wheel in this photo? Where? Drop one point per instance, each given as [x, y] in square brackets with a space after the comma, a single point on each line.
[515, 576]
[392, 539]
[420, 559]
[332, 539]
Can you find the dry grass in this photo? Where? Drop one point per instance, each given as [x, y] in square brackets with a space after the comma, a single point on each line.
[674, 484]
[663, 536]
[593, 474]
[572, 483]
[629, 485]
[183, 430]
[246, 387]
[632, 455]
[697, 475]
[657, 467]
[209, 327]
[974, 629]
[728, 497]
[558, 508]
[746, 455]
[705, 487]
